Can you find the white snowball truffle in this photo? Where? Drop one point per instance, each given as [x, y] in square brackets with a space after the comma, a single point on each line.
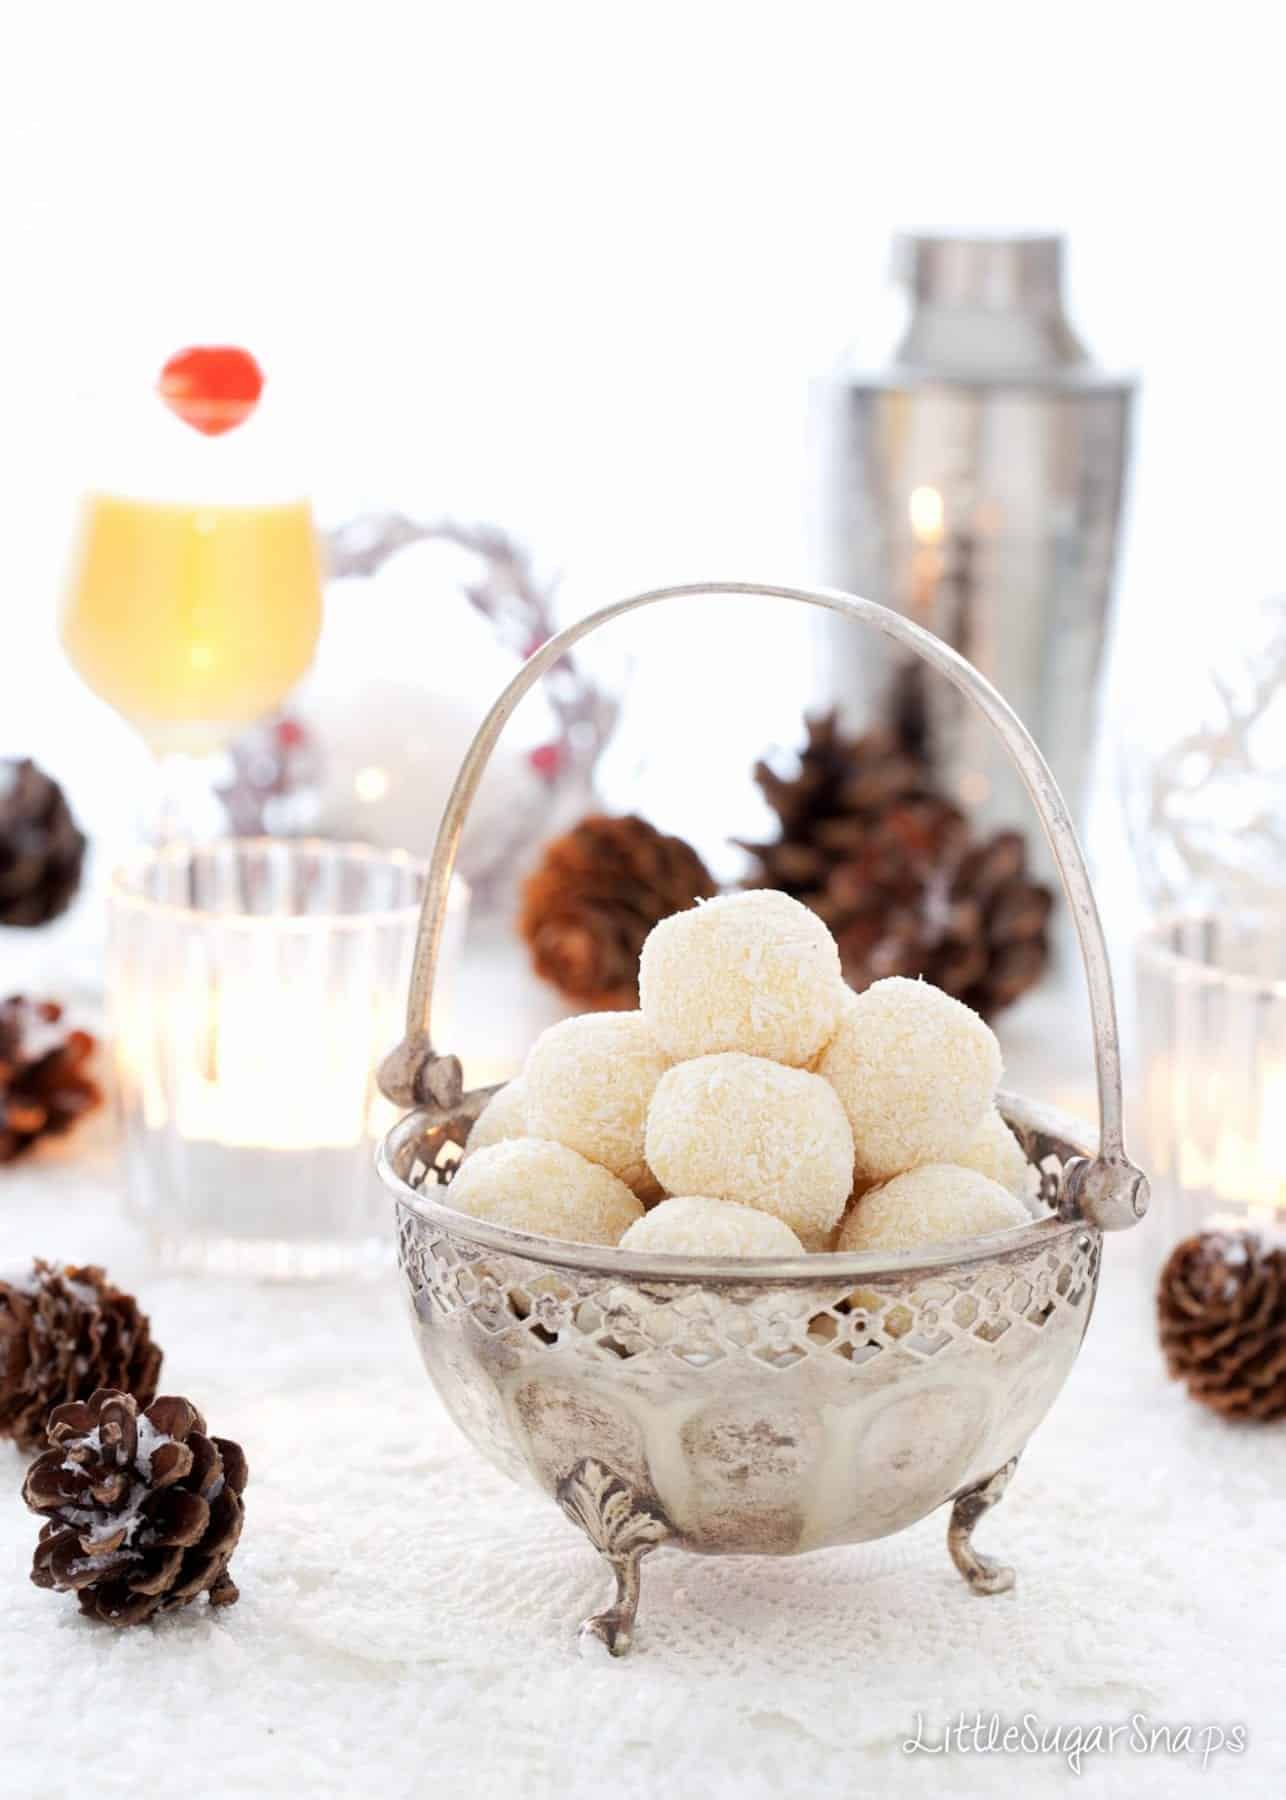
[742, 1128]
[931, 1205]
[754, 972]
[915, 1071]
[692, 1225]
[504, 1116]
[534, 1185]
[995, 1151]
[589, 1084]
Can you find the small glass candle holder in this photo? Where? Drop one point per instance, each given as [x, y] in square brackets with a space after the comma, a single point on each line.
[1212, 1025]
[254, 985]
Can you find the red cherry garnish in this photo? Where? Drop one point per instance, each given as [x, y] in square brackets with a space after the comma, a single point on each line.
[546, 760]
[212, 387]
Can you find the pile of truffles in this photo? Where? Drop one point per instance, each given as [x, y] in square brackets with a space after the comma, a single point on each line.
[753, 1106]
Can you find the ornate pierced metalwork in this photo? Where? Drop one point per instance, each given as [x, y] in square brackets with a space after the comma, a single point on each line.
[914, 1318]
[822, 1400]
[774, 1406]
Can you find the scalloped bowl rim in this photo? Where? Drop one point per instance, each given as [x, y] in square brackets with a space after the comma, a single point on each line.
[734, 1271]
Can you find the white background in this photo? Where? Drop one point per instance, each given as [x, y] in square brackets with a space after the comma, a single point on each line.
[574, 267]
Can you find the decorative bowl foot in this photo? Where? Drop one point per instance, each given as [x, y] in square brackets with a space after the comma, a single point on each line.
[622, 1528]
[983, 1575]
[612, 1630]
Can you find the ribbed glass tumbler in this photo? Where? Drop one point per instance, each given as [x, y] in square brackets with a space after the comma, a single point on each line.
[1212, 1021]
[253, 987]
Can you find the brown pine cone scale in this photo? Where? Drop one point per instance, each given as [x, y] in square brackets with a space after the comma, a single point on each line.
[42, 849]
[45, 1084]
[143, 1510]
[1221, 1314]
[877, 851]
[595, 895]
[63, 1333]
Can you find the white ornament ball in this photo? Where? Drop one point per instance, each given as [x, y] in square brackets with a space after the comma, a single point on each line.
[995, 1151]
[504, 1116]
[741, 1128]
[931, 1205]
[589, 1084]
[692, 1225]
[534, 1185]
[754, 972]
[915, 1071]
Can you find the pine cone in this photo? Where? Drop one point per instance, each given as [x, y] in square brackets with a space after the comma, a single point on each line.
[595, 896]
[143, 1513]
[42, 850]
[1221, 1311]
[876, 850]
[45, 1083]
[63, 1333]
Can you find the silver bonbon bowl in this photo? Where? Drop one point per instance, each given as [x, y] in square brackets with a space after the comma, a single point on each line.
[771, 1407]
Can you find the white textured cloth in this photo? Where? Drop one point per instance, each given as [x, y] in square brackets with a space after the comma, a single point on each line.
[407, 1617]
[407, 1620]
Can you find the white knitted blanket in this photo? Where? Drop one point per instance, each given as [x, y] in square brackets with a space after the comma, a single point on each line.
[407, 1618]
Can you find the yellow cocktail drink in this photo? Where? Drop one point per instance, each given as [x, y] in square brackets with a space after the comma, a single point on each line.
[190, 619]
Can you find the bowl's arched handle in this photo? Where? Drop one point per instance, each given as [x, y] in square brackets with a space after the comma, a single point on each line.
[1108, 1190]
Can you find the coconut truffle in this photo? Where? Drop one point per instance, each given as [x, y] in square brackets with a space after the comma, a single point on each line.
[693, 1225]
[995, 1151]
[534, 1185]
[930, 1205]
[915, 1071]
[754, 972]
[589, 1084]
[742, 1128]
[504, 1116]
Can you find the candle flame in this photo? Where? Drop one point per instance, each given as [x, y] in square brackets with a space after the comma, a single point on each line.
[371, 784]
[926, 510]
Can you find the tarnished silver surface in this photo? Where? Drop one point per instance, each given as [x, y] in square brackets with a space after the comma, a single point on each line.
[718, 1406]
[983, 1575]
[974, 482]
[1118, 1194]
[767, 1406]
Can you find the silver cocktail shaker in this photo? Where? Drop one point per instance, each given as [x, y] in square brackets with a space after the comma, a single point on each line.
[975, 484]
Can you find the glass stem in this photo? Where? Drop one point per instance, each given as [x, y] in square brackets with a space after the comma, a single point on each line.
[186, 804]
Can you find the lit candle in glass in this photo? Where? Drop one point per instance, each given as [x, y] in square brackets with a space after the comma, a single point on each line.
[1212, 1021]
[254, 988]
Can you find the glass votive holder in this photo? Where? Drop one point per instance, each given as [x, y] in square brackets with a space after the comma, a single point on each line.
[253, 986]
[1212, 1034]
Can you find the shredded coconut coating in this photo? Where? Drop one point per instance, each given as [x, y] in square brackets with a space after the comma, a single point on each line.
[693, 1225]
[915, 1071]
[534, 1185]
[589, 1084]
[995, 1151]
[742, 1128]
[755, 972]
[504, 1116]
[930, 1205]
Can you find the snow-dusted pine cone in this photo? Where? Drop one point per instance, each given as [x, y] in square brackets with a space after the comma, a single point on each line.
[1221, 1313]
[63, 1333]
[142, 1509]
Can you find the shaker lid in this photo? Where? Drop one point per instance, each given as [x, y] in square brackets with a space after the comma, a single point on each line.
[991, 273]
